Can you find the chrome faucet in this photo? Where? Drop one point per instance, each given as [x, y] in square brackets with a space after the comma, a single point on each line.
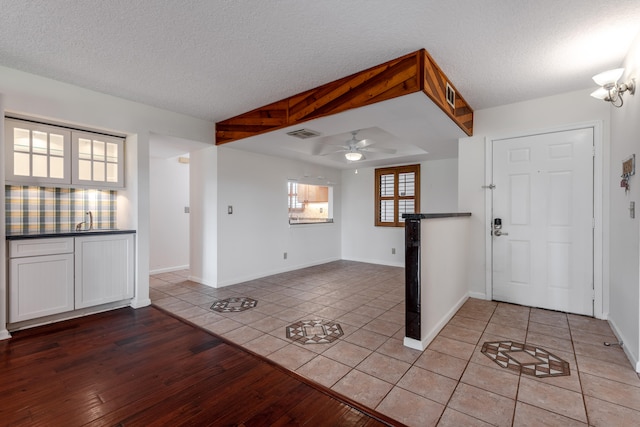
[79, 225]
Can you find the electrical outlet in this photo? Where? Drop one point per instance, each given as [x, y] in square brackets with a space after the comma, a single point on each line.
[285, 255]
[393, 251]
[186, 209]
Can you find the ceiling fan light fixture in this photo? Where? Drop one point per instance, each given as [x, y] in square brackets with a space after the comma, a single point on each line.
[353, 156]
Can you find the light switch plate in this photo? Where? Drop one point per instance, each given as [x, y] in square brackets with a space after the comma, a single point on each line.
[632, 209]
[229, 209]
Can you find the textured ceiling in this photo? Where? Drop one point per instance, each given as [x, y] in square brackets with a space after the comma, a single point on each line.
[217, 59]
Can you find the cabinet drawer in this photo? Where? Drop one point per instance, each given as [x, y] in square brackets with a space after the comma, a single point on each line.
[37, 247]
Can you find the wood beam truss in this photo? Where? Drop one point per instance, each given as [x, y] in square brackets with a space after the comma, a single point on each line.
[408, 74]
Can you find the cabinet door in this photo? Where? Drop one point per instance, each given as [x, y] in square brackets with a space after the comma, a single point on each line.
[98, 160]
[37, 153]
[320, 194]
[104, 269]
[40, 286]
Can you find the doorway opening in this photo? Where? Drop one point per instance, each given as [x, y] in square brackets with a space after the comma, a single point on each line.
[169, 187]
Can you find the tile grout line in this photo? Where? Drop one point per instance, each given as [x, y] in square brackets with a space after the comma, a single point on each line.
[515, 405]
[575, 357]
[465, 369]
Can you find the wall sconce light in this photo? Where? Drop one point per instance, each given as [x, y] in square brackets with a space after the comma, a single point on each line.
[610, 90]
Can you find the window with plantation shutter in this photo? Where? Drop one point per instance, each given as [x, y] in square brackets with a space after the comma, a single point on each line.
[397, 191]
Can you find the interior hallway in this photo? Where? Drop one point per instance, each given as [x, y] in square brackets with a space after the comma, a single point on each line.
[452, 383]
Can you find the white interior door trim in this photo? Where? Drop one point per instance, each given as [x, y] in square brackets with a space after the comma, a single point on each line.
[600, 174]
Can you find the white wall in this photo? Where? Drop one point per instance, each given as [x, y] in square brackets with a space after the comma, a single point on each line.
[443, 250]
[169, 224]
[439, 186]
[625, 232]
[3, 255]
[361, 240]
[203, 219]
[48, 99]
[252, 241]
[511, 120]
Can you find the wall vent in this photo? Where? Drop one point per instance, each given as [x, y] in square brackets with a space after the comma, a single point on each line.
[451, 96]
[303, 133]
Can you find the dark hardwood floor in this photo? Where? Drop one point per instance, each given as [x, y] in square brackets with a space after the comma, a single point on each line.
[144, 367]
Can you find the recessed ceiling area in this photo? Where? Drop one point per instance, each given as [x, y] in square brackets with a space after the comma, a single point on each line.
[412, 124]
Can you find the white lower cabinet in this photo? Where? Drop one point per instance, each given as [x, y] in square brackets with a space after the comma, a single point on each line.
[104, 269]
[56, 275]
[40, 286]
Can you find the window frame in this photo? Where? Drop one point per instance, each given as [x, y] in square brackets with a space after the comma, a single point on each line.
[300, 204]
[396, 171]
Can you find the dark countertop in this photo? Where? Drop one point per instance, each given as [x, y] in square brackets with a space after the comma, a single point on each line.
[66, 233]
[435, 215]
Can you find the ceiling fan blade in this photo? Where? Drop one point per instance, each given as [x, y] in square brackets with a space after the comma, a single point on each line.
[361, 143]
[332, 152]
[336, 149]
[379, 150]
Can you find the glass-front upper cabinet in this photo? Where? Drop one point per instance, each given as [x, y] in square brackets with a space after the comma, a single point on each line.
[97, 160]
[37, 153]
[41, 154]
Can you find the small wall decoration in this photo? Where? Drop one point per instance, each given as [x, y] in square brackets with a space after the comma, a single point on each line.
[629, 166]
[628, 170]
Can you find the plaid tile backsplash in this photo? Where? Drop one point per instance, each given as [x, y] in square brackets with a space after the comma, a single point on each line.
[46, 210]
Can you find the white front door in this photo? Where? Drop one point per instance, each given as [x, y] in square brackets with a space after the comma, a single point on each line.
[543, 197]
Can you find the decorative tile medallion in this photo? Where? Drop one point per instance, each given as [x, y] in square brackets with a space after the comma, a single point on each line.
[233, 305]
[314, 331]
[525, 358]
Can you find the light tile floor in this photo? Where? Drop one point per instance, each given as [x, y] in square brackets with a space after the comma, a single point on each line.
[449, 384]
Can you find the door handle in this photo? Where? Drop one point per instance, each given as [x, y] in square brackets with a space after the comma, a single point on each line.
[497, 228]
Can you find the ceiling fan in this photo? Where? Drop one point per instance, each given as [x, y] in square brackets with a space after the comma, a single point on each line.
[354, 148]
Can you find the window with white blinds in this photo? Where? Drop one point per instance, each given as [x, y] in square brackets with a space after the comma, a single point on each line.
[397, 192]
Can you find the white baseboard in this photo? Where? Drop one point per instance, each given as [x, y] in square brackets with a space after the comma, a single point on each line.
[243, 279]
[632, 358]
[414, 344]
[424, 343]
[378, 261]
[201, 281]
[46, 320]
[478, 295]
[168, 269]
[4, 335]
[139, 303]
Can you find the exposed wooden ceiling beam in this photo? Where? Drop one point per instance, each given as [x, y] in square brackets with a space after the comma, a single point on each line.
[408, 74]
